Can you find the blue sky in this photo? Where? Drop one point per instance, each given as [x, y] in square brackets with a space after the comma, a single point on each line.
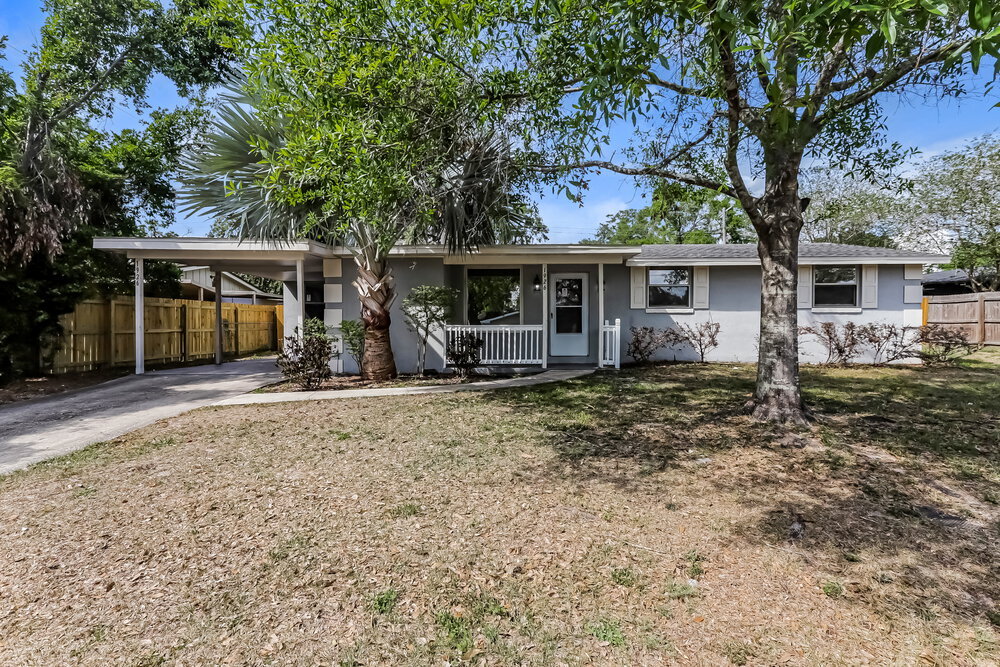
[931, 127]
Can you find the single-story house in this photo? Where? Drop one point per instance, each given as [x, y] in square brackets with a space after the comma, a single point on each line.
[548, 304]
[197, 282]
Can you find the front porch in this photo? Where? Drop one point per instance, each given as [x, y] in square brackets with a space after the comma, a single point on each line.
[550, 318]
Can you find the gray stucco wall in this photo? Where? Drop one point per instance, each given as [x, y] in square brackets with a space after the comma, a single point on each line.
[734, 302]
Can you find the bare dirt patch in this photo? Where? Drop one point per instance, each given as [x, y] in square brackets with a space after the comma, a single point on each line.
[632, 518]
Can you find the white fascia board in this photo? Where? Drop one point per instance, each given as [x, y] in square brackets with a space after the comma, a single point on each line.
[818, 261]
[205, 246]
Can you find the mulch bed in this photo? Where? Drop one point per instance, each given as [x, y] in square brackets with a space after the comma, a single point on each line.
[357, 382]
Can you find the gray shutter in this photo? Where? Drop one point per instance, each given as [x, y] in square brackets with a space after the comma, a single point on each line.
[869, 286]
[700, 299]
[805, 296]
[638, 287]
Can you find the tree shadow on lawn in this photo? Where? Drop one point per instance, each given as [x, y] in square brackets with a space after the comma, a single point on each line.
[899, 481]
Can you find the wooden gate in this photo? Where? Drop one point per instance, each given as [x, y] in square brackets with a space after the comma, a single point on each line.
[976, 315]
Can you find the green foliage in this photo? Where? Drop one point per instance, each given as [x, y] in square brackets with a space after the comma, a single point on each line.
[426, 308]
[847, 210]
[833, 589]
[64, 180]
[607, 630]
[955, 198]
[464, 352]
[677, 214]
[352, 332]
[385, 602]
[305, 359]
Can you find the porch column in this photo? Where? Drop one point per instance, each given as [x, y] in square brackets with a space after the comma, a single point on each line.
[600, 315]
[217, 285]
[545, 315]
[140, 320]
[300, 289]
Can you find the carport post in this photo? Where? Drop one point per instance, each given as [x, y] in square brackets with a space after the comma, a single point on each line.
[300, 294]
[140, 320]
[217, 285]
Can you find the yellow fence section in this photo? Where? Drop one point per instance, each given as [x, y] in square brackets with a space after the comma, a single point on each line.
[101, 333]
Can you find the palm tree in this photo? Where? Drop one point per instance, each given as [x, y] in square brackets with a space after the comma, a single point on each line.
[233, 176]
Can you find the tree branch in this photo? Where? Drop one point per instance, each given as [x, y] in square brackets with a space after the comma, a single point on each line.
[648, 170]
[892, 76]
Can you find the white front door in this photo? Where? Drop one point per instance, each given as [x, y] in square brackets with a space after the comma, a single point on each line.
[569, 315]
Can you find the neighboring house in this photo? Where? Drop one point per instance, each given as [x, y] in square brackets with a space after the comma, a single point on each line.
[575, 303]
[197, 283]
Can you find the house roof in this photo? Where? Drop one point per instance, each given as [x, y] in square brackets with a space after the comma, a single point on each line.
[278, 259]
[949, 276]
[809, 253]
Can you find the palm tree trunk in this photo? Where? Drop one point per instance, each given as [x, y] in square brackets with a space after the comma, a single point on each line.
[376, 289]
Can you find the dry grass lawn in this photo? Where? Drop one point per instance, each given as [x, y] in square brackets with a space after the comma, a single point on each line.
[629, 518]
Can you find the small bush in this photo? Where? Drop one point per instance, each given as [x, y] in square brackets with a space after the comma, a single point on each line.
[353, 333]
[841, 342]
[889, 342]
[305, 359]
[942, 345]
[703, 338]
[465, 352]
[645, 342]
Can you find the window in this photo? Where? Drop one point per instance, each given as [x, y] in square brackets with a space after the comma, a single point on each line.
[835, 286]
[494, 296]
[669, 287]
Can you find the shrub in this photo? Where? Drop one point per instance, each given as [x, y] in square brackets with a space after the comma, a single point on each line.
[305, 359]
[353, 333]
[703, 338]
[942, 345]
[645, 342]
[841, 342]
[889, 342]
[426, 308]
[464, 352]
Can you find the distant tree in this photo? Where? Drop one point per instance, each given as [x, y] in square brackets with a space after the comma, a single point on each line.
[954, 208]
[677, 214]
[848, 210]
[426, 308]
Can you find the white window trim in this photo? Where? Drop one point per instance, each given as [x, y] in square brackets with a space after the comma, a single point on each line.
[830, 308]
[690, 285]
[675, 311]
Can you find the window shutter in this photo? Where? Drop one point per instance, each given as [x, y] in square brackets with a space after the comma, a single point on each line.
[700, 299]
[805, 286]
[638, 287]
[869, 286]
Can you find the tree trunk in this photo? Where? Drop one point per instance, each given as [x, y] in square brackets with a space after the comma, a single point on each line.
[377, 291]
[778, 397]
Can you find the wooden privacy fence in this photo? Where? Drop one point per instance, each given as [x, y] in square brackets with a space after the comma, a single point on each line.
[100, 333]
[977, 315]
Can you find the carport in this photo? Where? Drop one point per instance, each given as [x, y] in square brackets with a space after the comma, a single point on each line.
[289, 262]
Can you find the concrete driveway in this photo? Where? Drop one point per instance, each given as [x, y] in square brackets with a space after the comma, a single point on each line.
[35, 430]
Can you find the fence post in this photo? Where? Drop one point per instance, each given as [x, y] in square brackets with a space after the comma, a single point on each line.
[184, 334]
[923, 310]
[236, 330]
[981, 316]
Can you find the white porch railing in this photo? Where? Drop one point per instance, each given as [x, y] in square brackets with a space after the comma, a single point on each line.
[503, 344]
[611, 337]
